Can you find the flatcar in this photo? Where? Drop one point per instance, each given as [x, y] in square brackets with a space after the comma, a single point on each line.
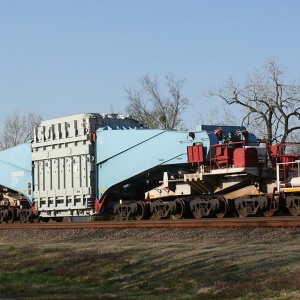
[111, 166]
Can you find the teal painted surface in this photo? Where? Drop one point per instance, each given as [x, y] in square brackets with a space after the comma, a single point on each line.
[16, 172]
[122, 154]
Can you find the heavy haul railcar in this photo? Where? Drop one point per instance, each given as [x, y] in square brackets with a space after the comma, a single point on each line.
[93, 164]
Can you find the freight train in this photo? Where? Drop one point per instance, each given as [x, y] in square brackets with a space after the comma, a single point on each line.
[111, 166]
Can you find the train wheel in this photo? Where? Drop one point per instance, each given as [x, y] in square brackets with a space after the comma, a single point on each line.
[120, 217]
[294, 212]
[36, 219]
[156, 216]
[142, 212]
[121, 213]
[293, 205]
[242, 213]
[222, 210]
[23, 217]
[156, 212]
[180, 209]
[197, 214]
[269, 213]
[197, 211]
[27, 218]
[272, 206]
[1, 216]
[10, 216]
[241, 206]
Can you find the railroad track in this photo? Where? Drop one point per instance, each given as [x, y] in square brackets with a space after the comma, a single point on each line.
[187, 223]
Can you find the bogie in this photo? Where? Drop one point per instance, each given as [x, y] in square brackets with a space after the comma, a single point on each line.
[293, 204]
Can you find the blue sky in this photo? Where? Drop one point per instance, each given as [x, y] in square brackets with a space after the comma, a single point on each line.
[72, 56]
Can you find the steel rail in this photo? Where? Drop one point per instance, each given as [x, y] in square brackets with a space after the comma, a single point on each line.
[186, 223]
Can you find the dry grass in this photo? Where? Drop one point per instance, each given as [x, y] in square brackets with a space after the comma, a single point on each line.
[159, 265]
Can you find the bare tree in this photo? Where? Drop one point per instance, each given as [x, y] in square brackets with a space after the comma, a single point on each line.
[18, 129]
[271, 107]
[219, 115]
[149, 106]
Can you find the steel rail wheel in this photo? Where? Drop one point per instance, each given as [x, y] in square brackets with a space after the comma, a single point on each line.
[36, 219]
[294, 212]
[120, 216]
[242, 213]
[1, 215]
[222, 210]
[23, 217]
[141, 211]
[156, 213]
[293, 205]
[197, 209]
[180, 209]
[10, 216]
[272, 207]
[121, 213]
[269, 213]
[242, 207]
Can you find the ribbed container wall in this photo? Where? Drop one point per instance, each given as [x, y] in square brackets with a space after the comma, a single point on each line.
[63, 155]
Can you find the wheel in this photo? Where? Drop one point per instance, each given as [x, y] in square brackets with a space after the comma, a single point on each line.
[197, 214]
[273, 207]
[1, 215]
[241, 206]
[222, 210]
[294, 212]
[294, 205]
[180, 209]
[141, 211]
[59, 219]
[242, 213]
[120, 217]
[23, 217]
[197, 211]
[35, 219]
[269, 213]
[10, 216]
[156, 213]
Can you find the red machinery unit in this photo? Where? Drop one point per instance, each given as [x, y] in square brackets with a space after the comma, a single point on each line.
[245, 157]
[195, 154]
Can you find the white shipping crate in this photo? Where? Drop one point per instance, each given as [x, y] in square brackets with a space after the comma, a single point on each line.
[63, 155]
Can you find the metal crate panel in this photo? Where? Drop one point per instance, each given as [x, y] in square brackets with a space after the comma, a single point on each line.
[64, 164]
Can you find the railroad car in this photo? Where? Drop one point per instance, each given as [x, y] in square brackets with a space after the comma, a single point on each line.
[111, 166]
